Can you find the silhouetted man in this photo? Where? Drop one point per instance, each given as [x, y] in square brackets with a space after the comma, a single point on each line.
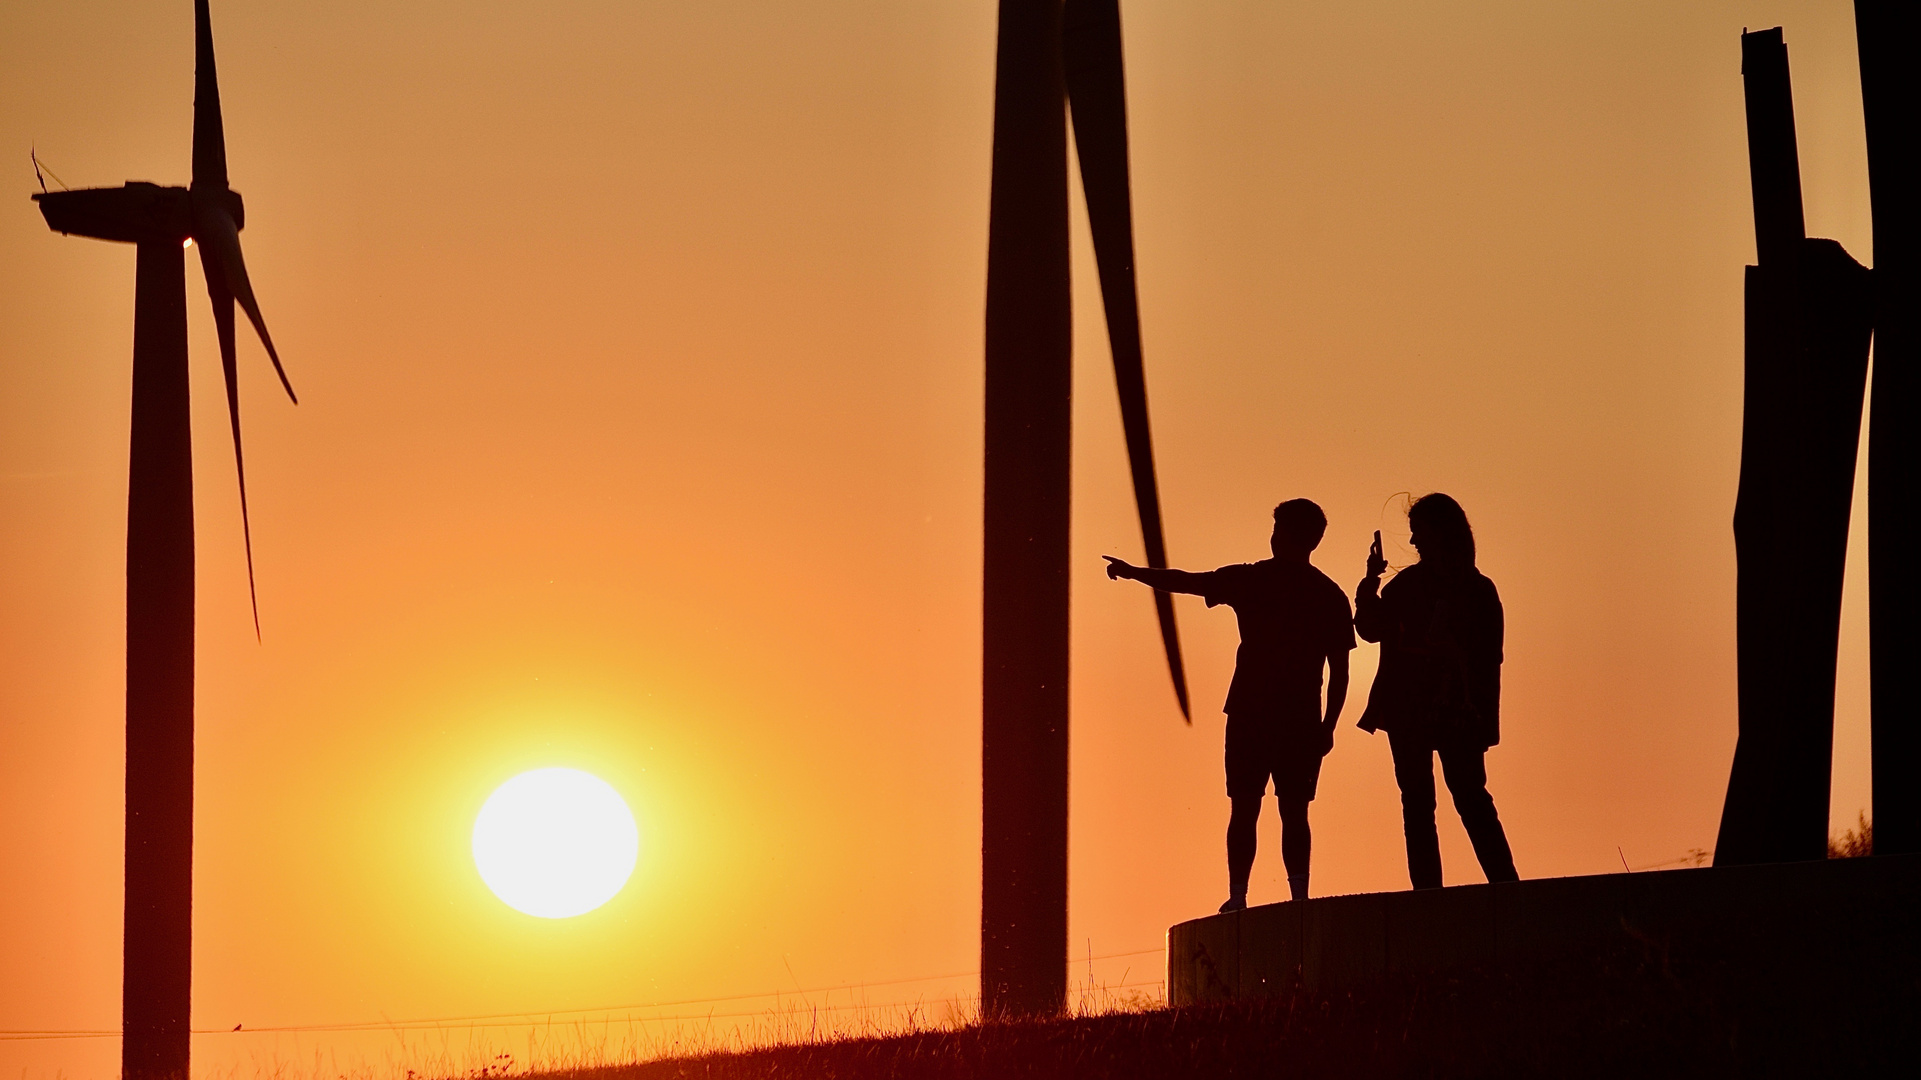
[1293, 620]
[1438, 689]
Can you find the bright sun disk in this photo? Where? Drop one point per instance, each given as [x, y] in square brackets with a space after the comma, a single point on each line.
[555, 842]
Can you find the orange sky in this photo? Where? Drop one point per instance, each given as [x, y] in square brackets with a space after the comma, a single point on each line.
[639, 351]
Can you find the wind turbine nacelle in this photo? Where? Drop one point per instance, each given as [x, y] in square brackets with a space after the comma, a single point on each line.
[135, 213]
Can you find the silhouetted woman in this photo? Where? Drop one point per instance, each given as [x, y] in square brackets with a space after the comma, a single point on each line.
[1438, 689]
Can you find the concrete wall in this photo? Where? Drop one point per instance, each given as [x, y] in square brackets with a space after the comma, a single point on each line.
[1344, 942]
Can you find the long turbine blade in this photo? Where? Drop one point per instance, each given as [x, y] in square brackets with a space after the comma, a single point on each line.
[222, 298]
[214, 227]
[1097, 89]
[209, 138]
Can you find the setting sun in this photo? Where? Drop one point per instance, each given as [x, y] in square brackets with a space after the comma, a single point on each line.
[555, 843]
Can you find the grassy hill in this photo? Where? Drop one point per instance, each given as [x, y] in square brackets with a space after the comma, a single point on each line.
[1645, 1010]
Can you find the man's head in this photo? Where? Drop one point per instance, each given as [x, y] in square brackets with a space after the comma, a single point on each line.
[1298, 528]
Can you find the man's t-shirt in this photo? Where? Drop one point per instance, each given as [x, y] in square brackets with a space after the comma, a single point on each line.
[1292, 618]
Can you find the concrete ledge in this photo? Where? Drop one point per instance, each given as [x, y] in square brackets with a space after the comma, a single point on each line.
[1811, 911]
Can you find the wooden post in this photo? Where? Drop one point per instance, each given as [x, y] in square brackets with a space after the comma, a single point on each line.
[1808, 321]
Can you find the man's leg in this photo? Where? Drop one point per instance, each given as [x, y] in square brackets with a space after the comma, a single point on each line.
[1466, 772]
[1241, 840]
[1414, 772]
[1247, 770]
[1297, 843]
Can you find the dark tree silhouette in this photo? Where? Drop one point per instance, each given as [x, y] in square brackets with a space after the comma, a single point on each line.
[157, 960]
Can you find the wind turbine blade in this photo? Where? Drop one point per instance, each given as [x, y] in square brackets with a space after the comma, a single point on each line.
[1171, 642]
[209, 138]
[214, 228]
[1097, 91]
[222, 298]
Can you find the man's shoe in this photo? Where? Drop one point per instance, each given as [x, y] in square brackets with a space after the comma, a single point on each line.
[1234, 903]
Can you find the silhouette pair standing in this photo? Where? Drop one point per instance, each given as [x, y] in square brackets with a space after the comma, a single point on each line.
[1438, 689]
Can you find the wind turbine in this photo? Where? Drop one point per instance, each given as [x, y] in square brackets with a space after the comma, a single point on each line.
[161, 221]
[1048, 53]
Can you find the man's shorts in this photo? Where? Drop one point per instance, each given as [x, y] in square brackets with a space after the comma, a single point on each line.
[1289, 751]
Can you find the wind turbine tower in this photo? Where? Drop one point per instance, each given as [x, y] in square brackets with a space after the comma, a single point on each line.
[1048, 53]
[160, 221]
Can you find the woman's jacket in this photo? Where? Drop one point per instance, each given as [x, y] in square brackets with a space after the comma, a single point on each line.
[1441, 633]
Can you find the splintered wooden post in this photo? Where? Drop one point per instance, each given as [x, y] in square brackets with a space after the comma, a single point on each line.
[1807, 326]
[1885, 32]
[1024, 607]
[1774, 163]
[160, 614]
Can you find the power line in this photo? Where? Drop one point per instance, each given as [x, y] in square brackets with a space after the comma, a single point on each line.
[469, 1025]
[515, 1019]
[437, 1025]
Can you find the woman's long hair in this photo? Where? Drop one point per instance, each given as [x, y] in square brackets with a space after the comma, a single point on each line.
[1444, 527]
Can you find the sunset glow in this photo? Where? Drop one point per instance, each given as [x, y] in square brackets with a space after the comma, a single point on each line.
[640, 352]
[555, 843]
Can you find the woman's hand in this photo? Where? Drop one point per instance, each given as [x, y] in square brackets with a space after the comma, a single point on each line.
[1376, 562]
[1119, 568]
